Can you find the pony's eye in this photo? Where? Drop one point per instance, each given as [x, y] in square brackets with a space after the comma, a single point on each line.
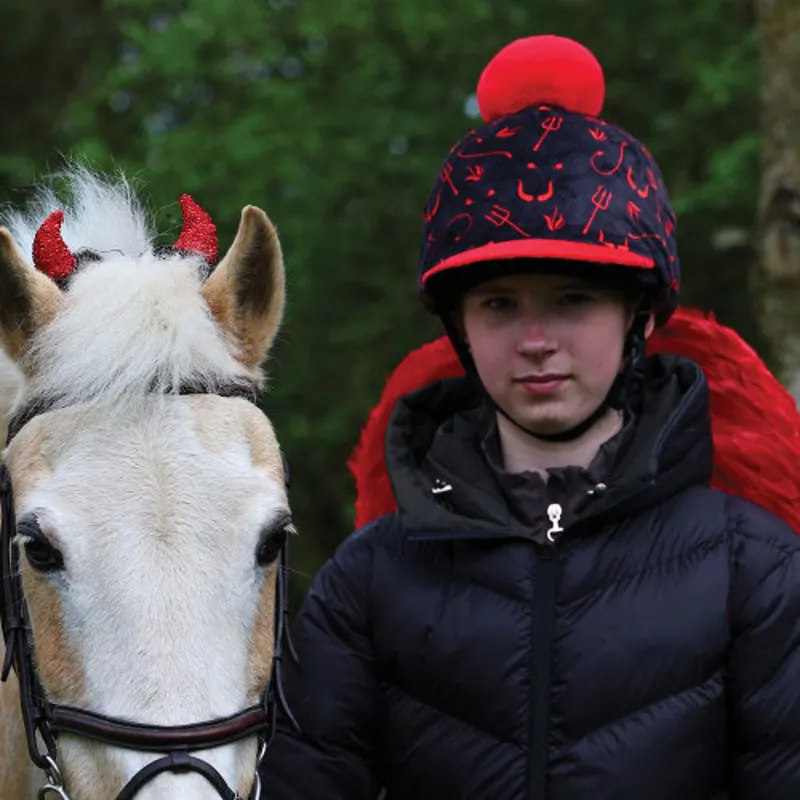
[41, 555]
[272, 541]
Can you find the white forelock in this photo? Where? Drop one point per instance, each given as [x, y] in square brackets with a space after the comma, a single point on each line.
[134, 321]
[99, 213]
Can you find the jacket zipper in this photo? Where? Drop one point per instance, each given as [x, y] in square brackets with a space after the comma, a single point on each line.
[543, 613]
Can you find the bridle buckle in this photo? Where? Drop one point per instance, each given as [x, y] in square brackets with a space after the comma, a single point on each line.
[55, 781]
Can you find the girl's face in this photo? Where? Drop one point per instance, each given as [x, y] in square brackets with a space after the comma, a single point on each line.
[546, 347]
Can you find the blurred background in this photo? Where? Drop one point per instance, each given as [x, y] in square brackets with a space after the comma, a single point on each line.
[334, 115]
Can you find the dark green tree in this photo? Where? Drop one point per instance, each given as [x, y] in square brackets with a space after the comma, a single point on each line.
[334, 115]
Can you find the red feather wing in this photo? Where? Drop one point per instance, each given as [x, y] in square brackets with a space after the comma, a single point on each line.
[755, 420]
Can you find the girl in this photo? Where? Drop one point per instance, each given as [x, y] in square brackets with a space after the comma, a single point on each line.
[556, 603]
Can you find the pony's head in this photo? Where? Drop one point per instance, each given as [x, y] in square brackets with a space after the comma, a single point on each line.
[149, 496]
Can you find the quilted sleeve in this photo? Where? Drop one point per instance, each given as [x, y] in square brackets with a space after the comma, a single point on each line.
[764, 677]
[331, 691]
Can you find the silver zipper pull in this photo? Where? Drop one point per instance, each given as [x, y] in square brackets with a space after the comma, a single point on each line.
[440, 487]
[554, 512]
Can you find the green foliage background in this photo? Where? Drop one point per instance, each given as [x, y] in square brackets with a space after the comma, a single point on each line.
[333, 116]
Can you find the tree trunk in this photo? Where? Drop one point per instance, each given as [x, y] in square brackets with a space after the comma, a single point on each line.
[778, 282]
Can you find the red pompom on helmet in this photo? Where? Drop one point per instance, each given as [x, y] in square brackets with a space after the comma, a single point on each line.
[548, 70]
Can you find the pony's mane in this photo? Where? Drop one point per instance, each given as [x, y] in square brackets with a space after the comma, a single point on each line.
[10, 386]
[100, 214]
[130, 323]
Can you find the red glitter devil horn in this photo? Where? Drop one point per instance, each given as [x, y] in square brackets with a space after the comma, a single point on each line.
[199, 234]
[50, 255]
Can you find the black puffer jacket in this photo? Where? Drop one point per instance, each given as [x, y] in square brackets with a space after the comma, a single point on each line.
[653, 653]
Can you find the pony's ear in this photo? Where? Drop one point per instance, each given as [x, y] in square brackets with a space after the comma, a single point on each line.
[28, 298]
[246, 292]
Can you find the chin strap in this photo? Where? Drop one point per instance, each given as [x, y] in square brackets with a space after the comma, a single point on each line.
[624, 387]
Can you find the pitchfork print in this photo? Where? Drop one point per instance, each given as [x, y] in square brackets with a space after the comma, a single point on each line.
[550, 124]
[601, 200]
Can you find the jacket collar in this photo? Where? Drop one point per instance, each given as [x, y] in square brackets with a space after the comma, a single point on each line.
[445, 488]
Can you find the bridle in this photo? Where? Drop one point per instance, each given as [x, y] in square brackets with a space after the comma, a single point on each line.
[44, 720]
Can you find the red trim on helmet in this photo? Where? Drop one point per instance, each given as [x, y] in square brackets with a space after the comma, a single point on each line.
[543, 248]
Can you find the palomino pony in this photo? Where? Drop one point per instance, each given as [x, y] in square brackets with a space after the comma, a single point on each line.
[142, 544]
